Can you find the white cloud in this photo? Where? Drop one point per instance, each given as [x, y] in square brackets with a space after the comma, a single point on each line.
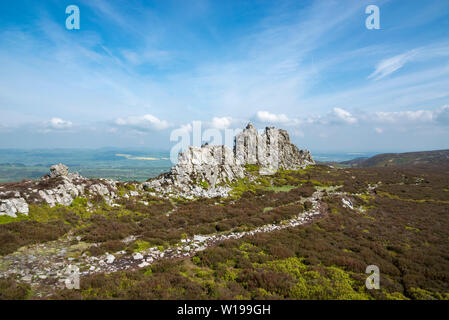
[390, 65]
[221, 123]
[145, 122]
[344, 115]
[58, 123]
[273, 65]
[442, 115]
[52, 125]
[337, 116]
[379, 120]
[265, 116]
[403, 118]
[419, 116]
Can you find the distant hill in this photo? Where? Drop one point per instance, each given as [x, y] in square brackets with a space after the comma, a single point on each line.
[437, 157]
[13, 164]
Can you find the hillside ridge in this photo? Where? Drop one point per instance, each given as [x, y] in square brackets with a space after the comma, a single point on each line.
[434, 157]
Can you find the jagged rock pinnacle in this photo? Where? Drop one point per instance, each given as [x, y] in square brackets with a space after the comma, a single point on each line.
[207, 171]
[250, 126]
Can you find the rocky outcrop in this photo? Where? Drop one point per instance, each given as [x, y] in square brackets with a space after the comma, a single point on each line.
[271, 151]
[206, 171]
[201, 172]
[59, 187]
[12, 206]
[58, 170]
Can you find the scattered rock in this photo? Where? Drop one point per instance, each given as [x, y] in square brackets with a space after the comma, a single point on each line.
[199, 238]
[129, 239]
[143, 264]
[347, 203]
[45, 264]
[110, 258]
[137, 256]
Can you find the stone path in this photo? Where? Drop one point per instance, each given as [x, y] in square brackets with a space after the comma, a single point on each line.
[48, 264]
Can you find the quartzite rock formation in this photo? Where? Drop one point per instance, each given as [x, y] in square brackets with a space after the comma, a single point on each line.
[59, 187]
[204, 171]
[272, 150]
[59, 170]
[207, 170]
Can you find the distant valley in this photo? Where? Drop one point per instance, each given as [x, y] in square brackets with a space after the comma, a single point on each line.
[109, 163]
[140, 165]
[116, 164]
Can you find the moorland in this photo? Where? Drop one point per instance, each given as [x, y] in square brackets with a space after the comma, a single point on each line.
[395, 217]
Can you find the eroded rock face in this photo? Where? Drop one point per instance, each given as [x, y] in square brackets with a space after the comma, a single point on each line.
[201, 172]
[207, 171]
[271, 151]
[11, 207]
[59, 187]
[213, 164]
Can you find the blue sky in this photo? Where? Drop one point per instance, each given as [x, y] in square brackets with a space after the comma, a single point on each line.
[136, 70]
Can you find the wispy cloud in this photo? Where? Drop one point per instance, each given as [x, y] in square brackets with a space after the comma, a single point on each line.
[289, 64]
[391, 65]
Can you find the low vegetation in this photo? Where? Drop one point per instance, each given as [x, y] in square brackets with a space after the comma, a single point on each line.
[399, 222]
